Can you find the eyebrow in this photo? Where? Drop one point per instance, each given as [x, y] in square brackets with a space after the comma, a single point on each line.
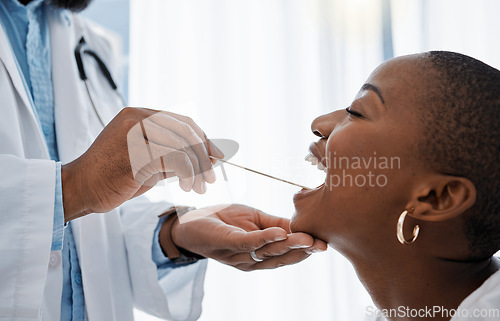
[375, 89]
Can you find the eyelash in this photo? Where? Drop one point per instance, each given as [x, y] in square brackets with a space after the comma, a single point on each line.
[353, 113]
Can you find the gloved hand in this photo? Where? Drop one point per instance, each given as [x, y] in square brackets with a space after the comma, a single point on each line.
[138, 148]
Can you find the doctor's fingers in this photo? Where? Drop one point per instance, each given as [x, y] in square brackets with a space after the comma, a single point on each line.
[151, 182]
[265, 220]
[292, 257]
[212, 149]
[242, 242]
[168, 161]
[165, 137]
[278, 248]
[293, 242]
[193, 138]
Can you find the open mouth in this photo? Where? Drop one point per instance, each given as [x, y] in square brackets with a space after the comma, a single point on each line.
[320, 163]
[316, 157]
[305, 192]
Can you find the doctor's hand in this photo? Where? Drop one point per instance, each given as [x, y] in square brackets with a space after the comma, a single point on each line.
[138, 148]
[229, 234]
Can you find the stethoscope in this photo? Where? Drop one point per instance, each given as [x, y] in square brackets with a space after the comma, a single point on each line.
[79, 51]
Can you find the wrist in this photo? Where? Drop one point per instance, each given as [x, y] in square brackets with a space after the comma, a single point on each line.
[179, 239]
[171, 238]
[176, 235]
[169, 248]
[73, 199]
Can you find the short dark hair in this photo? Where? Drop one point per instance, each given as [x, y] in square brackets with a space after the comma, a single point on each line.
[462, 137]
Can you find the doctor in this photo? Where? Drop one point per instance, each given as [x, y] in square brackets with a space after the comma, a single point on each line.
[58, 164]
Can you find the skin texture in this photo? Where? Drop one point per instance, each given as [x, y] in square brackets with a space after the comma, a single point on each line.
[360, 221]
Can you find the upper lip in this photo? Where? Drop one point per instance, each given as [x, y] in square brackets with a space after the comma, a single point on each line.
[315, 148]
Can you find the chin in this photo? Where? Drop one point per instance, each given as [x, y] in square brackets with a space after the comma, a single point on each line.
[297, 224]
[308, 214]
[307, 223]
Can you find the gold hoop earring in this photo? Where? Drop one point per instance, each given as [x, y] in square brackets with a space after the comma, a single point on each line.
[399, 230]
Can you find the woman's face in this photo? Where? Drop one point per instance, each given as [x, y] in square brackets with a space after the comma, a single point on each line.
[369, 151]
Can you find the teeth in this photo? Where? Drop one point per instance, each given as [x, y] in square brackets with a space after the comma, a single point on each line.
[311, 158]
[314, 161]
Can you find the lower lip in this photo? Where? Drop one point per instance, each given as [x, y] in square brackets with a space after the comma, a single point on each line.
[305, 192]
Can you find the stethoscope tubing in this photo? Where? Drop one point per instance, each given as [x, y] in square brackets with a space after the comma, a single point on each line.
[83, 76]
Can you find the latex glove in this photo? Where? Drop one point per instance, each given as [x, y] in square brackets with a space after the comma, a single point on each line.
[134, 151]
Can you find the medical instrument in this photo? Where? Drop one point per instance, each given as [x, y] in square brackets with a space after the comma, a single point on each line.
[260, 173]
[79, 51]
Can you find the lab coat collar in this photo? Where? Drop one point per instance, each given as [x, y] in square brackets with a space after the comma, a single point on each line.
[9, 61]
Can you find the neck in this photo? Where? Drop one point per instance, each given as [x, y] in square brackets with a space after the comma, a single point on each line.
[420, 283]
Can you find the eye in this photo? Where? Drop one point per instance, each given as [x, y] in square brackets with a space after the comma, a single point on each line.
[353, 113]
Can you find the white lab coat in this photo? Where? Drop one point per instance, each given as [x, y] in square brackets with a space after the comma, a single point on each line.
[114, 249]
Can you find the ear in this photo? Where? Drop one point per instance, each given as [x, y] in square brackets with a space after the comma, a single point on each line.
[442, 198]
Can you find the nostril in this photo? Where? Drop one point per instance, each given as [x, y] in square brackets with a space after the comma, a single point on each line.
[317, 133]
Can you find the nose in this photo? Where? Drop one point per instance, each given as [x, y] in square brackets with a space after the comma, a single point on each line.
[324, 124]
